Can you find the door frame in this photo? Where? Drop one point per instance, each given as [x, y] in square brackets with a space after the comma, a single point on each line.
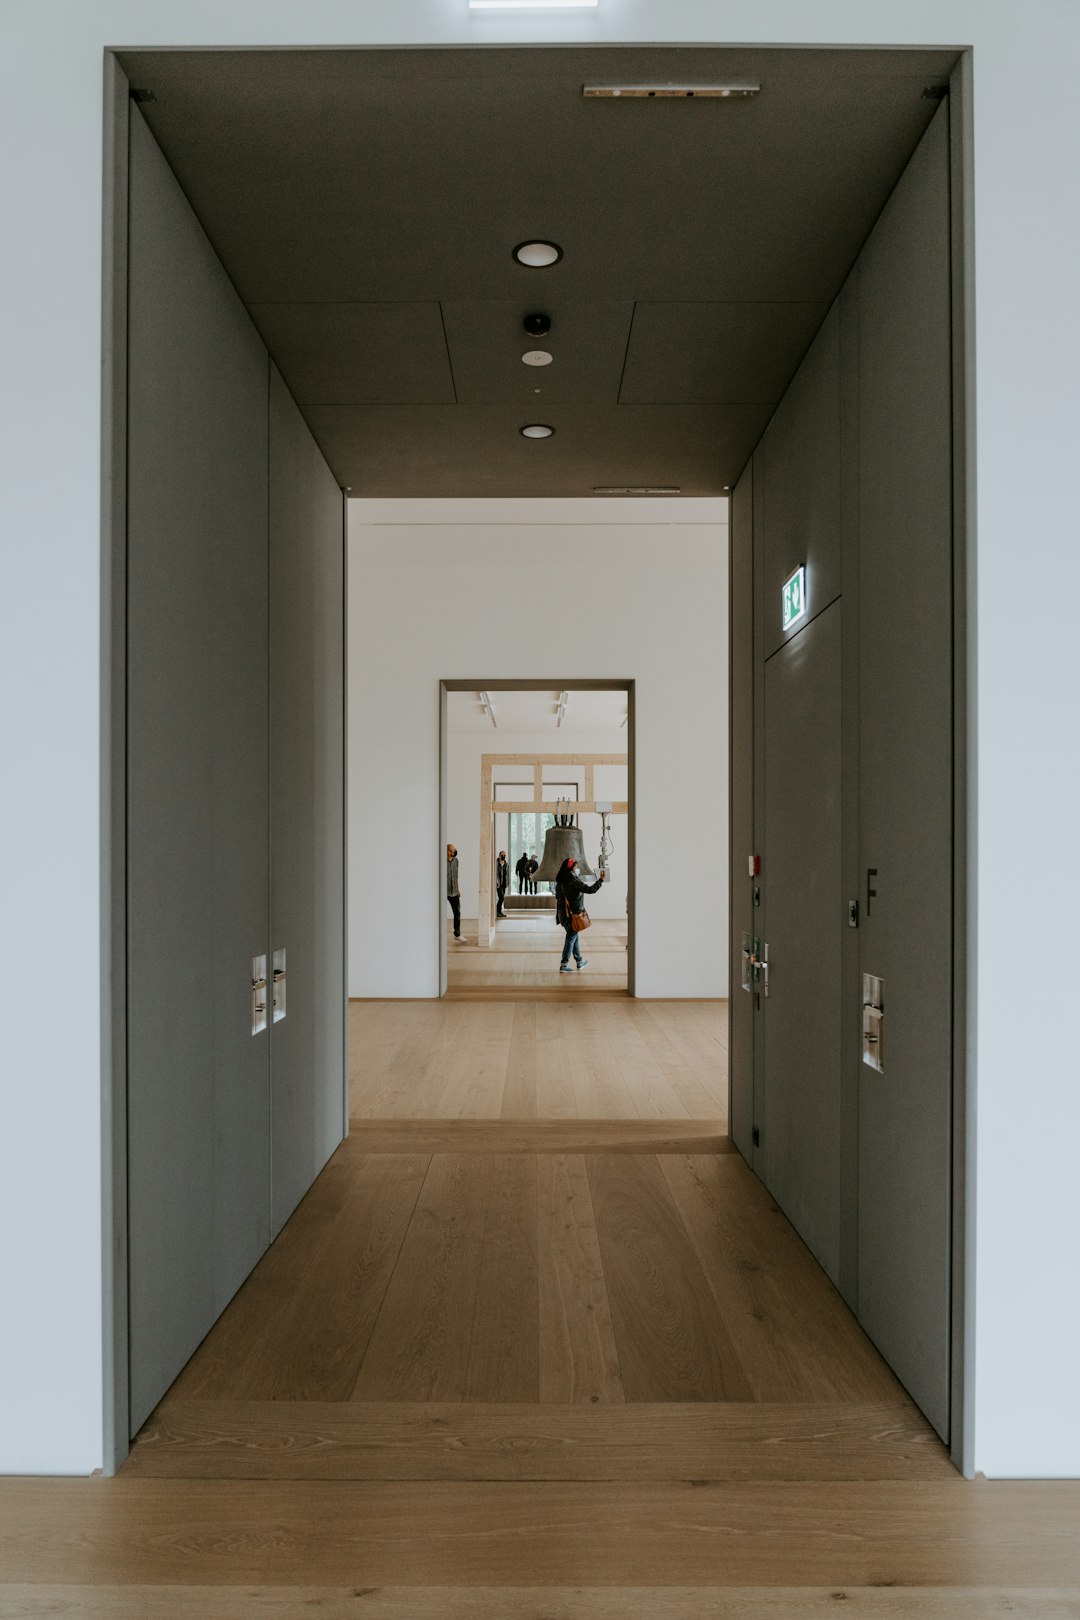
[533, 684]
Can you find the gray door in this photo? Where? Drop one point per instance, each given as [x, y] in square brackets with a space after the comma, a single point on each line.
[798, 1103]
[307, 750]
[198, 899]
[905, 801]
[741, 1002]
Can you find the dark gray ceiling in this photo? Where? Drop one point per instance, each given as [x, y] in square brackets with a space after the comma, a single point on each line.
[366, 204]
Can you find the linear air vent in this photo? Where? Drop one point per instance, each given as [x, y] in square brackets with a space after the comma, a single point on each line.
[637, 489]
[715, 92]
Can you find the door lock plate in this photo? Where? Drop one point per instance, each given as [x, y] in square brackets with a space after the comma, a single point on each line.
[873, 1022]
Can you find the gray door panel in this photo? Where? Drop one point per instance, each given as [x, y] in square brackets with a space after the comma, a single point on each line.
[741, 1005]
[197, 759]
[800, 1103]
[307, 749]
[906, 772]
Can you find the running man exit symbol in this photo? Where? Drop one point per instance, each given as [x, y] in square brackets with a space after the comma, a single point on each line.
[794, 597]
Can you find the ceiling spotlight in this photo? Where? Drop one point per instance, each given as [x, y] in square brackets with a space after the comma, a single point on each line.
[537, 430]
[537, 325]
[537, 357]
[537, 255]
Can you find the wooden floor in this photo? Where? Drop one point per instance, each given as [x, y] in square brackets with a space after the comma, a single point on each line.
[523, 961]
[526, 1059]
[504, 1363]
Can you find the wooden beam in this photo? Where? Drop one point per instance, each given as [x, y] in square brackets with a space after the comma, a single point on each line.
[543, 806]
[590, 781]
[538, 781]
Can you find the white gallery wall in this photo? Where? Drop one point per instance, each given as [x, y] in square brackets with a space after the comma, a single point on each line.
[422, 609]
[464, 752]
[1024, 1313]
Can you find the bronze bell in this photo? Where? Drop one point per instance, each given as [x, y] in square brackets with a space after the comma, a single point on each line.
[561, 841]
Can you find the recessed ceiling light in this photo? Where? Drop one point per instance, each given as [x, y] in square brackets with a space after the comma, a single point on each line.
[537, 357]
[537, 255]
[537, 430]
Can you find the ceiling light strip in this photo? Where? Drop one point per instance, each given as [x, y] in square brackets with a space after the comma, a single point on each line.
[660, 92]
[533, 5]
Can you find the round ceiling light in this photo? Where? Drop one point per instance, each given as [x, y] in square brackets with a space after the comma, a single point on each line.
[537, 357]
[537, 255]
[537, 430]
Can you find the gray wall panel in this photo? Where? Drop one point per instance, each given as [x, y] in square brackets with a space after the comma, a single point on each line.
[198, 1086]
[906, 744]
[307, 830]
[801, 457]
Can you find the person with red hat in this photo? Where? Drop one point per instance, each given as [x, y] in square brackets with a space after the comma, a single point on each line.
[569, 890]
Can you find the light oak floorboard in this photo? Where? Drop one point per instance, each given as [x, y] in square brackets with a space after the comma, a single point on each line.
[579, 1360]
[917, 1533]
[533, 1603]
[452, 1441]
[400, 1136]
[673, 1342]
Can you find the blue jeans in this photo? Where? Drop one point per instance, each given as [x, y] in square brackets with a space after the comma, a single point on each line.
[572, 944]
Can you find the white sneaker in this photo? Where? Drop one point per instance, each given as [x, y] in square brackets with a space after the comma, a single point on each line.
[458, 940]
[564, 967]
[583, 963]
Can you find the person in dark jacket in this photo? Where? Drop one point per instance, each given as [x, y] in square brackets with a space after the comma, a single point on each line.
[502, 882]
[453, 891]
[522, 870]
[534, 867]
[569, 890]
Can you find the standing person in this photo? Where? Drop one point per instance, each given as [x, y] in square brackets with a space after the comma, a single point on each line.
[453, 892]
[568, 892]
[534, 867]
[502, 882]
[522, 870]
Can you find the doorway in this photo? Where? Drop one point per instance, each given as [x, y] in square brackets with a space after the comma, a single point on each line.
[496, 1204]
[520, 762]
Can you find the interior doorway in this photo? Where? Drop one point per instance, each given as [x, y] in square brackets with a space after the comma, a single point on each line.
[473, 1131]
[520, 763]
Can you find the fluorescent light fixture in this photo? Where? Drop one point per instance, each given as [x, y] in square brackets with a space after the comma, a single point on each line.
[537, 430]
[677, 92]
[564, 698]
[533, 5]
[637, 489]
[793, 598]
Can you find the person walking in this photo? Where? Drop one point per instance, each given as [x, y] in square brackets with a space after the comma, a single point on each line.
[453, 892]
[502, 882]
[534, 867]
[569, 890]
[522, 870]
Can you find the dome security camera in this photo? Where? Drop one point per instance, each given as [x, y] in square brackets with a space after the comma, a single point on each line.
[537, 325]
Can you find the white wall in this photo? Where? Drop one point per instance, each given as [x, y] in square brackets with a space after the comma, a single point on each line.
[463, 818]
[1024, 875]
[427, 566]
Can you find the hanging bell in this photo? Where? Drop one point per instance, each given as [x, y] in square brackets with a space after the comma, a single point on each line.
[561, 841]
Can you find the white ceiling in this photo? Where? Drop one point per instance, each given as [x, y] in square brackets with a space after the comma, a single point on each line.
[534, 713]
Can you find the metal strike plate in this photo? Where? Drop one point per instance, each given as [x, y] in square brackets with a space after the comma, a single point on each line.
[747, 963]
[873, 1023]
[280, 985]
[258, 994]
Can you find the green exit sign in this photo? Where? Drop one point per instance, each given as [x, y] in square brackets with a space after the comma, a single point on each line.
[794, 597]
